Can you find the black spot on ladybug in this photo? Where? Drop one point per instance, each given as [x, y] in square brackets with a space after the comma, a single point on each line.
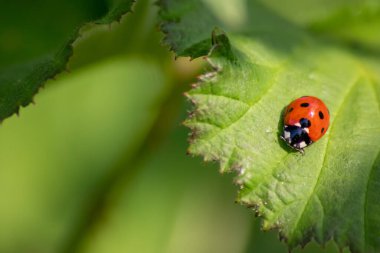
[291, 109]
[321, 116]
[304, 104]
[305, 123]
[322, 130]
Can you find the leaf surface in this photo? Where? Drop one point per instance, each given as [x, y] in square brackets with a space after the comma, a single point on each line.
[331, 191]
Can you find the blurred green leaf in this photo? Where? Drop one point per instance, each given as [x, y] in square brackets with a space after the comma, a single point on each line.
[36, 42]
[54, 158]
[164, 209]
[354, 22]
[331, 192]
[135, 35]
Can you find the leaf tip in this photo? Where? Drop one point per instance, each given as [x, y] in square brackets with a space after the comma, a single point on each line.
[221, 45]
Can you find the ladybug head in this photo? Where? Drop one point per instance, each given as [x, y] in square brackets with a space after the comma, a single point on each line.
[296, 136]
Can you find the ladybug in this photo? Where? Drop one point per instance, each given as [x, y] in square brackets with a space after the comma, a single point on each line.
[306, 120]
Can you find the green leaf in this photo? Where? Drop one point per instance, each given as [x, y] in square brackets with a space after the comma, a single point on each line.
[57, 156]
[38, 42]
[182, 214]
[332, 191]
[83, 136]
[348, 21]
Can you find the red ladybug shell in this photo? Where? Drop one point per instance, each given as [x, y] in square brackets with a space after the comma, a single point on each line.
[312, 109]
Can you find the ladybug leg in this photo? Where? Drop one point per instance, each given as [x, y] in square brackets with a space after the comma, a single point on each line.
[301, 150]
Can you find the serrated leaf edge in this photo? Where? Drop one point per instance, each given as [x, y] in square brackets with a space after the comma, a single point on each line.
[211, 76]
[67, 51]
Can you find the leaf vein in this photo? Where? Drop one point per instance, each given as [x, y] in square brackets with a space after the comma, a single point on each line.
[365, 222]
[250, 106]
[350, 89]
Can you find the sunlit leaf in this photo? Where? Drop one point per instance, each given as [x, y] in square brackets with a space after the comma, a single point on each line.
[331, 191]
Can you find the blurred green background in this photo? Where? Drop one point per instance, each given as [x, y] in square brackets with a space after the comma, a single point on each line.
[99, 164]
